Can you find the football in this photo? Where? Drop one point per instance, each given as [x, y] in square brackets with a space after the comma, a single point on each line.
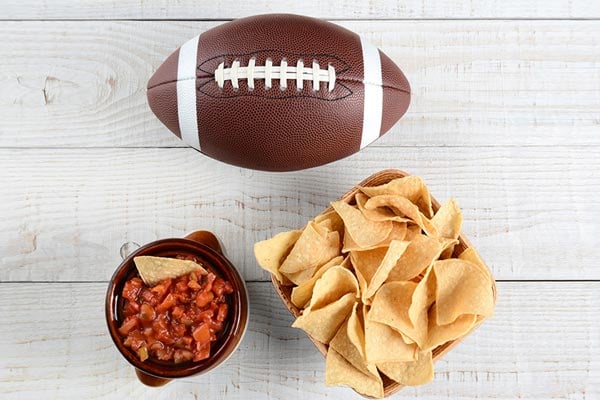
[278, 92]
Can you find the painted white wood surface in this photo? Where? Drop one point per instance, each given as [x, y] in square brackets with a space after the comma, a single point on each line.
[539, 345]
[337, 9]
[533, 212]
[474, 83]
[504, 117]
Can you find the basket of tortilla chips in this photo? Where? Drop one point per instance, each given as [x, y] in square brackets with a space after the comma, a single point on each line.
[383, 282]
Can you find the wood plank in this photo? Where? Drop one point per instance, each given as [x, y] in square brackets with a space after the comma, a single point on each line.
[541, 344]
[347, 9]
[532, 212]
[82, 83]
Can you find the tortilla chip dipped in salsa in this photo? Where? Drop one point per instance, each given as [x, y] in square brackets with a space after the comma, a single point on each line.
[174, 310]
[382, 281]
[154, 269]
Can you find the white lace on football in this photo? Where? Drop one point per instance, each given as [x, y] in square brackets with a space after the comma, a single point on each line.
[281, 72]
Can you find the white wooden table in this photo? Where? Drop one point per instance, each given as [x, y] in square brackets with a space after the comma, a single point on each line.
[505, 117]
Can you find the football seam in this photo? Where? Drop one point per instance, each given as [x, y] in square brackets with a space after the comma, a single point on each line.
[341, 71]
[339, 79]
[253, 94]
[386, 86]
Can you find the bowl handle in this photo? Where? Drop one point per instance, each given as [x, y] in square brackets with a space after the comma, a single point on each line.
[150, 380]
[206, 238]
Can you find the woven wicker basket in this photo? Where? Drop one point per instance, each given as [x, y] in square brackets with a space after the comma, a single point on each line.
[285, 292]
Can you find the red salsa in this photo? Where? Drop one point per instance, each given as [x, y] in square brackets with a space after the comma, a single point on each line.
[176, 320]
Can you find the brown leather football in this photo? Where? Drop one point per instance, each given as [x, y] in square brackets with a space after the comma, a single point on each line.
[278, 92]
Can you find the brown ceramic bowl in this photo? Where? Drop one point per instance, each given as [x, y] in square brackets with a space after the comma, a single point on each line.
[205, 246]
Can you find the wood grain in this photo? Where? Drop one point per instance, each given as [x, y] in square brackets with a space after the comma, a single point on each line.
[532, 212]
[348, 9]
[474, 83]
[522, 352]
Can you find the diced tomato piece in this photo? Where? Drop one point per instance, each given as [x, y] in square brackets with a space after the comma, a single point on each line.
[218, 287]
[160, 323]
[179, 329]
[203, 298]
[222, 314]
[165, 337]
[215, 326]
[130, 324]
[228, 288]
[183, 297]
[205, 316]
[202, 351]
[147, 296]
[202, 334]
[162, 288]
[181, 286]
[132, 289]
[131, 308]
[169, 302]
[177, 312]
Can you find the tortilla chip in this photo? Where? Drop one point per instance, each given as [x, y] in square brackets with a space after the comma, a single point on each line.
[363, 231]
[356, 331]
[403, 207]
[422, 298]
[333, 284]
[270, 253]
[393, 254]
[382, 343]
[298, 278]
[448, 220]
[342, 344]
[377, 214]
[411, 187]
[338, 371]
[314, 247]
[471, 255]
[410, 373]
[412, 231]
[154, 269]
[437, 335]
[462, 288]
[331, 220]
[365, 265]
[390, 306]
[421, 252]
[322, 324]
[302, 293]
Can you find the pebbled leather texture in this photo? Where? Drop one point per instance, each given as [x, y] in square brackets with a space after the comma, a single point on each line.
[274, 129]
